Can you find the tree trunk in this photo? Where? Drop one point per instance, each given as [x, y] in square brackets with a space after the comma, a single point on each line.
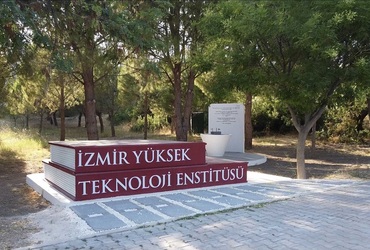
[111, 110]
[313, 137]
[181, 135]
[101, 122]
[368, 107]
[248, 122]
[300, 156]
[54, 117]
[50, 118]
[27, 121]
[303, 131]
[112, 128]
[41, 121]
[79, 119]
[173, 124]
[360, 120]
[188, 102]
[62, 111]
[146, 115]
[90, 105]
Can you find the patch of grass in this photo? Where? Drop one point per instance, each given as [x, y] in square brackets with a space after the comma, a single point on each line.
[21, 151]
[21, 139]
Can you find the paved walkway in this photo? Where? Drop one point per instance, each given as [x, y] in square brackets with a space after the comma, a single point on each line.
[289, 214]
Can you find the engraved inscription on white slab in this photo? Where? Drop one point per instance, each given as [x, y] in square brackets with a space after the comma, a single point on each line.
[229, 119]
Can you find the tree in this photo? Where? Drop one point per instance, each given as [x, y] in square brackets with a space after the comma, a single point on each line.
[62, 93]
[307, 49]
[235, 62]
[25, 92]
[107, 98]
[15, 51]
[95, 32]
[181, 42]
[147, 73]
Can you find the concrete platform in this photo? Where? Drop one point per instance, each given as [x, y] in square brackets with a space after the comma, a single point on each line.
[252, 159]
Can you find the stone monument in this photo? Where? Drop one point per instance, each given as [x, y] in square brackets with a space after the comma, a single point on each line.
[228, 118]
[86, 170]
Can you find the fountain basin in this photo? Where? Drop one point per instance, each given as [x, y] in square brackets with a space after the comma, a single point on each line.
[215, 144]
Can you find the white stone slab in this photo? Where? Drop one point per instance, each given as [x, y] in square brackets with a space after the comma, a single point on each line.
[229, 119]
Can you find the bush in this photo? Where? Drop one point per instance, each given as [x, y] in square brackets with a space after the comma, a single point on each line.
[340, 125]
[155, 123]
[122, 116]
[270, 117]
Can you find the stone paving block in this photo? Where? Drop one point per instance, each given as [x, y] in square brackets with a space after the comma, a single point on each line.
[244, 194]
[264, 188]
[121, 205]
[98, 218]
[202, 205]
[53, 247]
[164, 207]
[133, 212]
[105, 222]
[294, 186]
[87, 210]
[278, 193]
[250, 187]
[224, 199]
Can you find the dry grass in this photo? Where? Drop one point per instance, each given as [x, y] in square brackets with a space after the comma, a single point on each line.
[21, 151]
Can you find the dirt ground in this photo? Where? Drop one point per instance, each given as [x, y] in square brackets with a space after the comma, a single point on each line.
[326, 161]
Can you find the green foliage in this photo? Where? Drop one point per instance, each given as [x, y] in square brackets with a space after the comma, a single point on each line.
[23, 94]
[341, 127]
[15, 49]
[61, 62]
[297, 52]
[155, 123]
[269, 116]
[342, 120]
[122, 116]
[12, 38]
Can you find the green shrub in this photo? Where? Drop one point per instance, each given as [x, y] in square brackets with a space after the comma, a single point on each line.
[155, 123]
[340, 125]
[122, 116]
[269, 116]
